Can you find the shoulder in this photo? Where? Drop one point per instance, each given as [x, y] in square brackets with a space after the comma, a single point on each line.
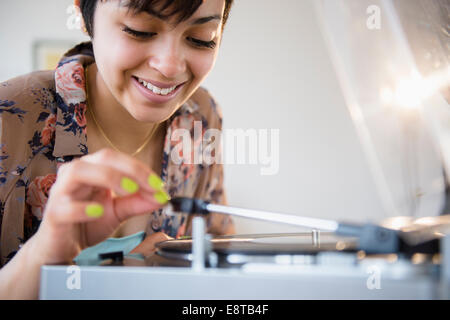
[207, 107]
[20, 85]
[27, 95]
[26, 105]
[23, 98]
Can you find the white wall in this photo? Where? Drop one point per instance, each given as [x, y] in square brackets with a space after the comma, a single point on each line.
[22, 22]
[273, 72]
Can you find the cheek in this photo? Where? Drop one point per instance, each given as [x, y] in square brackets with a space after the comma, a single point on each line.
[202, 64]
[127, 56]
[116, 58]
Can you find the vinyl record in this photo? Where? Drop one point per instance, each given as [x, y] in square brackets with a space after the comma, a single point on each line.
[262, 244]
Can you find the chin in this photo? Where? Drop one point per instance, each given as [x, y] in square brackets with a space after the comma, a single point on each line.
[150, 114]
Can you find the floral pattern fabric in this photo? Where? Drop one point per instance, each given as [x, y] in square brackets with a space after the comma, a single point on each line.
[43, 125]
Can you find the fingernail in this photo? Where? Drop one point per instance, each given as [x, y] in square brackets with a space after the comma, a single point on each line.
[94, 210]
[161, 197]
[129, 185]
[155, 182]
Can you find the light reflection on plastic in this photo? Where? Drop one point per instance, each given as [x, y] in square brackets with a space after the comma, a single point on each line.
[409, 93]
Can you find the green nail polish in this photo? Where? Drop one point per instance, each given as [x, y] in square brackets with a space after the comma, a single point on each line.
[94, 210]
[155, 182]
[162, 197]
[129, 185]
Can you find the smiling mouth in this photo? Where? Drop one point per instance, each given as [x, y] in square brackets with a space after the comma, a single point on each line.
[157, 90]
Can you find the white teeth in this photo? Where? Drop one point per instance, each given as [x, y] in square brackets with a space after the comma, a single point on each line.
[155, 89]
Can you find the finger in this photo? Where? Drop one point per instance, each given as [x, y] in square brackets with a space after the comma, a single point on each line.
[136, 204]
[79, 174]
[133, 168]
[65, 210]
[69, 212]
[147, 246]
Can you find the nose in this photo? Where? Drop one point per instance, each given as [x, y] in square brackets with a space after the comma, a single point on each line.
[167, 58]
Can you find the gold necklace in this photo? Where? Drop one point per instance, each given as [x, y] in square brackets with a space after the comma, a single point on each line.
[147, 139]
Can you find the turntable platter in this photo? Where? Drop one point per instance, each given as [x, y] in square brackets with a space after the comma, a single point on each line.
[264, 244]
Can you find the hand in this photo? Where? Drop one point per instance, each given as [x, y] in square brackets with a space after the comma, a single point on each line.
[91, 197]
[147, 246]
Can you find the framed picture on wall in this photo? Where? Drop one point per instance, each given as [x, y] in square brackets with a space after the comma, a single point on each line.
[47, 53]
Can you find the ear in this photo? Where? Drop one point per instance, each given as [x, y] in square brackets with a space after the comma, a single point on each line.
[76, 3]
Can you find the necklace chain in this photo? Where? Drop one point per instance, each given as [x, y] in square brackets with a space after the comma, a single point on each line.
[147, 139]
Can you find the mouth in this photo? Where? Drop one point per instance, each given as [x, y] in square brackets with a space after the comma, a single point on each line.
[159, 89]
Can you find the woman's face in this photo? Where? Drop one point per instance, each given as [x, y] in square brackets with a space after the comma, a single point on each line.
[150, 66]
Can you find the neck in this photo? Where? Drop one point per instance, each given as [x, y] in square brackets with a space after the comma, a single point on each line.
[125, 132]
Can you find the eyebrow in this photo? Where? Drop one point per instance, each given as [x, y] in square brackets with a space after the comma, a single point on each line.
[206, 19]
[198, 21]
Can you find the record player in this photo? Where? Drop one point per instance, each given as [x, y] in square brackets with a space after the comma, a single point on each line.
[407, 257]
[351, 262]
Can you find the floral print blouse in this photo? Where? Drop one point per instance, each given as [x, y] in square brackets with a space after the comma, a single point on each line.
[43, 125]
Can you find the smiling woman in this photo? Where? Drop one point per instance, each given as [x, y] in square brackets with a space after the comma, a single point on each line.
[86, 148]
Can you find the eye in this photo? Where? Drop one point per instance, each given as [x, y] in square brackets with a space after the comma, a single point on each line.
[201, 43]
[139, 34]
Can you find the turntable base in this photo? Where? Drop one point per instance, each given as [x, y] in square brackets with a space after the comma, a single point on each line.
[298, 274]
[263, 283]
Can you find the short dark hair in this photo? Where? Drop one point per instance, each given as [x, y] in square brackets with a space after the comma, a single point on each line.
[180, 9]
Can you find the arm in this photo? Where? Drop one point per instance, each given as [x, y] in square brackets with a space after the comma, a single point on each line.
[214, 192]
[211, 186]
[19, 279]
[81, 211]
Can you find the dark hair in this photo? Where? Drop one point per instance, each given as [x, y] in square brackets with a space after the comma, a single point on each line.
[180, 9]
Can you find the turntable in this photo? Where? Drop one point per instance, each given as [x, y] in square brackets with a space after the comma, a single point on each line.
[308, 265]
